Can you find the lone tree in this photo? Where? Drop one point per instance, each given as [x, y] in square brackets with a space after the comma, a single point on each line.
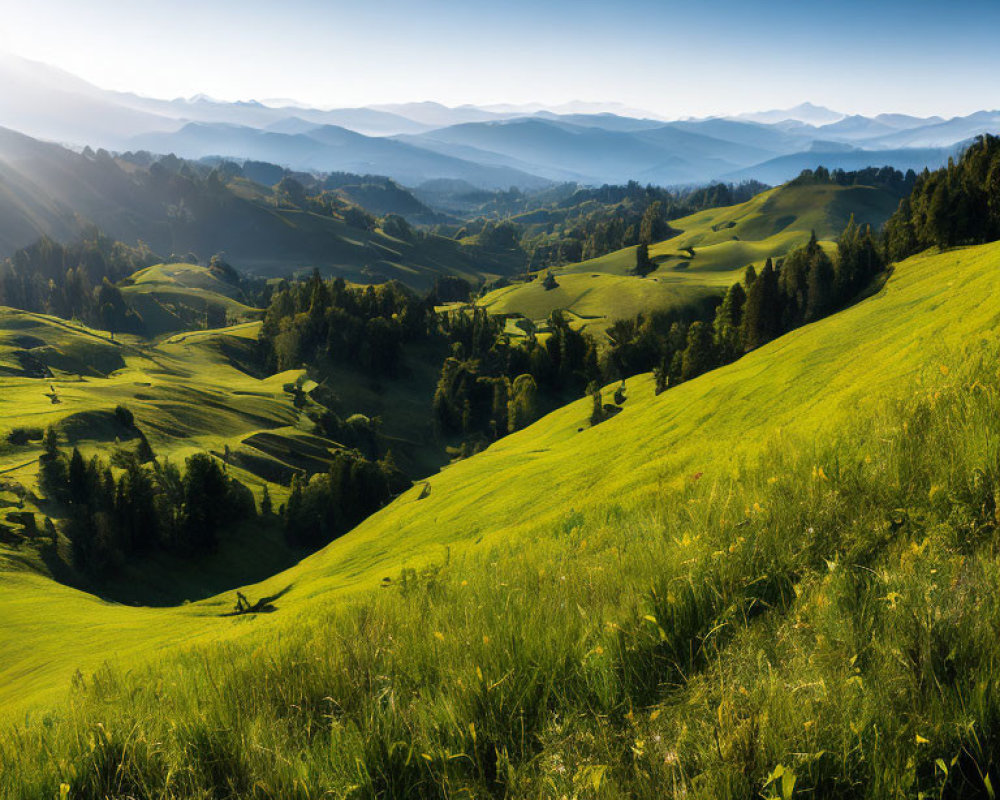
[643, 264]
[550, 282]
[597, 413]
[661, 377]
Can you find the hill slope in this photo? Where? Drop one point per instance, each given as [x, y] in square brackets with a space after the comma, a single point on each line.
[805, 384]
[48, 190]
[725, 241]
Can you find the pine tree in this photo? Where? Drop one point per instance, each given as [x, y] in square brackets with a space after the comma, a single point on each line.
[79, 491]
[726, 327]
[51, 466]
[643, 265]
[699, 355]
[597, 409]
[762, 311]
[820, 286]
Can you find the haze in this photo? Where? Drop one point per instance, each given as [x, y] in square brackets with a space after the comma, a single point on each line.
[670, 58]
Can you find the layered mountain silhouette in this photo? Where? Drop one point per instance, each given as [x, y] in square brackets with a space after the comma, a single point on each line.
[488, 147]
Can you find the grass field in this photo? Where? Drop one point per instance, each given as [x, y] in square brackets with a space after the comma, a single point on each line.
[697, 630]
[725, 241]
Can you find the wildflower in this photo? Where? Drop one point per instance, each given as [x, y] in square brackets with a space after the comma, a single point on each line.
[922, 740]
[63, 791]
[757, 508]
[465, 583]
[439, 635]
[944, 369]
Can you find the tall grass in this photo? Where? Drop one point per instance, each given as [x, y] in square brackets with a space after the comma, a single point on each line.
[822, 622]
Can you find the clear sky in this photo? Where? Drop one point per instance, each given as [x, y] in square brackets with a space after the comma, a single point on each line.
[674, 57]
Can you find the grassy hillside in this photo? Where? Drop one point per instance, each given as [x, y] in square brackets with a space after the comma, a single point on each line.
[780, 575]
[168, 297]
[725, 241]
[189, 393]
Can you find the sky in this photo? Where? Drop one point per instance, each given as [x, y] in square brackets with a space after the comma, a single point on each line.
[676, 58]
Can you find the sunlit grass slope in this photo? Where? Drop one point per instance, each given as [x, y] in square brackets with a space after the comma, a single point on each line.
[807, 385]
[725, 241]
[169, 296]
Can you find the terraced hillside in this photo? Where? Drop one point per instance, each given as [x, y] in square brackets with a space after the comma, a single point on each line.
[709, 254]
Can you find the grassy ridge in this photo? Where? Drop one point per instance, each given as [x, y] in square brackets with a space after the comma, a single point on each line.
[725, 241]
[778, 576]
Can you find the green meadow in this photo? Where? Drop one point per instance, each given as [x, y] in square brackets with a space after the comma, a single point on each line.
[776, 579]
[724, 240]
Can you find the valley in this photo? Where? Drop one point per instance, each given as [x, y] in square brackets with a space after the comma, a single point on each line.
[500, 445]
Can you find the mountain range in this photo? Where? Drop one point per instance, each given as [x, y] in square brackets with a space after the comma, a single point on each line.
[489, 147]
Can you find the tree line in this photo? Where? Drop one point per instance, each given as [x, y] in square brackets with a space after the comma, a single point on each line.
[75, 281]
[955, 205]
[802, 287]
[363, 327]
[133, 504]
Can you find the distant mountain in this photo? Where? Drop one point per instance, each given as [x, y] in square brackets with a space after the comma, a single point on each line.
[49, 103]
[805, 112]
[329, 148]
[489, 147]
[784, 168]
[855, 127]
[554, 148]
[905, 121]
[943, 133]
[436, 115]
[572, 108]
[369, 121]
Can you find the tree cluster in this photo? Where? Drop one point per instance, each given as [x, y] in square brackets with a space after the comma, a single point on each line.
[490, 386]
[801, 288]
[365, 328]
[328, 504]
[134, 504]
[957, 204]
[75, 281]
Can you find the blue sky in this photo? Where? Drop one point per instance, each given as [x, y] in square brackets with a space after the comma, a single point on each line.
[674, 58]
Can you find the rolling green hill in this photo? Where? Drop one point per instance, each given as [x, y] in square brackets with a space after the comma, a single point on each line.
[724, 241]
[171, 297]
[806, 381]
[711, 519]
